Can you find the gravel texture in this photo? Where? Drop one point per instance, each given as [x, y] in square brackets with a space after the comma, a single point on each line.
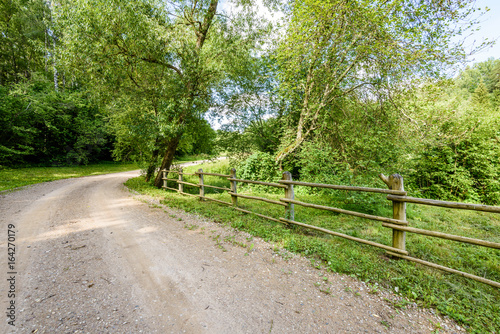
[92, 257]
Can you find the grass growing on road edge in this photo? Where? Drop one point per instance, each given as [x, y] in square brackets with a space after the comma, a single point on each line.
[11, 178]
[473, 304]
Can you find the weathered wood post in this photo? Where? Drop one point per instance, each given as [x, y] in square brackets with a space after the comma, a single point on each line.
[202, 188]
[395, 182]
[234, 199]
[289, 209]
[181, 186]
[164, 179]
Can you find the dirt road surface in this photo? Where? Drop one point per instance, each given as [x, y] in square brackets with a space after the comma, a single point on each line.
[92, 257]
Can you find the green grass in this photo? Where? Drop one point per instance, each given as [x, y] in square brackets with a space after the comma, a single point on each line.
[11, 178]
[189, 158]
[474, 305]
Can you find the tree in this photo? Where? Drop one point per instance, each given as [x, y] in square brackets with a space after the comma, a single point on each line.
[170, 56]
[42, 126]
[22, 33]
[338, 50]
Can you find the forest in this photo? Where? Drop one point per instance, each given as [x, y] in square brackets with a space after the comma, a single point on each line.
[332, 91]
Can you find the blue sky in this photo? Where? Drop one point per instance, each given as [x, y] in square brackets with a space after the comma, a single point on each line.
[490, 29]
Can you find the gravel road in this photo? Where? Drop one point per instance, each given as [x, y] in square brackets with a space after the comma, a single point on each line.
[92, 257]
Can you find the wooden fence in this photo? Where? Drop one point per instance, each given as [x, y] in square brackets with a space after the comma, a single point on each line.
[395, 193]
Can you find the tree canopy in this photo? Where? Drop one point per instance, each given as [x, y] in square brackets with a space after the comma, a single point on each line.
[338, 50]
[167, 58]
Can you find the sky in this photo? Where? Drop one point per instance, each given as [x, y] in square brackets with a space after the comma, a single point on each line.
[490, 29]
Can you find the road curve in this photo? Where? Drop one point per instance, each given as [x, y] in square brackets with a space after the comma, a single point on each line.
[90, 257]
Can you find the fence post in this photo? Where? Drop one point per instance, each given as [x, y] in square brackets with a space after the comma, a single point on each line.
[164, 178]
[202, 188]
[181, 186]
[289, 209]
[395, 182]
[234, 199]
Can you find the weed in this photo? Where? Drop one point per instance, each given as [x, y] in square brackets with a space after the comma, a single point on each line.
[373, 288]
[232, 240]
[399, 304]
[436, 325]
[326, 291]
[218, 242]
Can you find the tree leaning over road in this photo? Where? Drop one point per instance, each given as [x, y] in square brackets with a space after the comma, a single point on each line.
[159, 62]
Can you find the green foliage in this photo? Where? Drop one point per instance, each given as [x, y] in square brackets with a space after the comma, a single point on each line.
[257, 135]
[337, 50]
[41, 126]
[322, 164]
[162, 61]
[199, 138]
[455, 138]
[467, 171]
[22, 35]
[234, 143]
[259, 166]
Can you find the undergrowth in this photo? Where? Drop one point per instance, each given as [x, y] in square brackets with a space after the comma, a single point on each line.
[474, 305]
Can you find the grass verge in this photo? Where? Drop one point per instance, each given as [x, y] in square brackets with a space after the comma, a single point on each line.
[11, 178]
[474, 305]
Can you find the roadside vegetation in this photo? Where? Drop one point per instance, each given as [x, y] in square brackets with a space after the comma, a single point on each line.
[11, 178]
[474, 305]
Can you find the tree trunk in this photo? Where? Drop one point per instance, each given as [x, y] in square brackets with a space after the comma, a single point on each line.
[167, 159]
[150, 172]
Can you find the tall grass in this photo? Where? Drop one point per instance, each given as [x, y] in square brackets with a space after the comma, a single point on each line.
[473, 304]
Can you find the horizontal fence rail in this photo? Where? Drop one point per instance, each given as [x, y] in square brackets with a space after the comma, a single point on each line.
[473, 241]
[347, 212]
[270, 184]
[257, 214]
[215, 200]
[213, 174]
[180, 172]
[395, 193]
[351, 188]
[188, 183]
[445, 204]
[345, 236]
[258, 199]
[214, 187]
[450, 270]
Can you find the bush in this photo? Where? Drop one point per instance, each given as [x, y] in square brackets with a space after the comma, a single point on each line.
[466, 171]
[259, 166]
